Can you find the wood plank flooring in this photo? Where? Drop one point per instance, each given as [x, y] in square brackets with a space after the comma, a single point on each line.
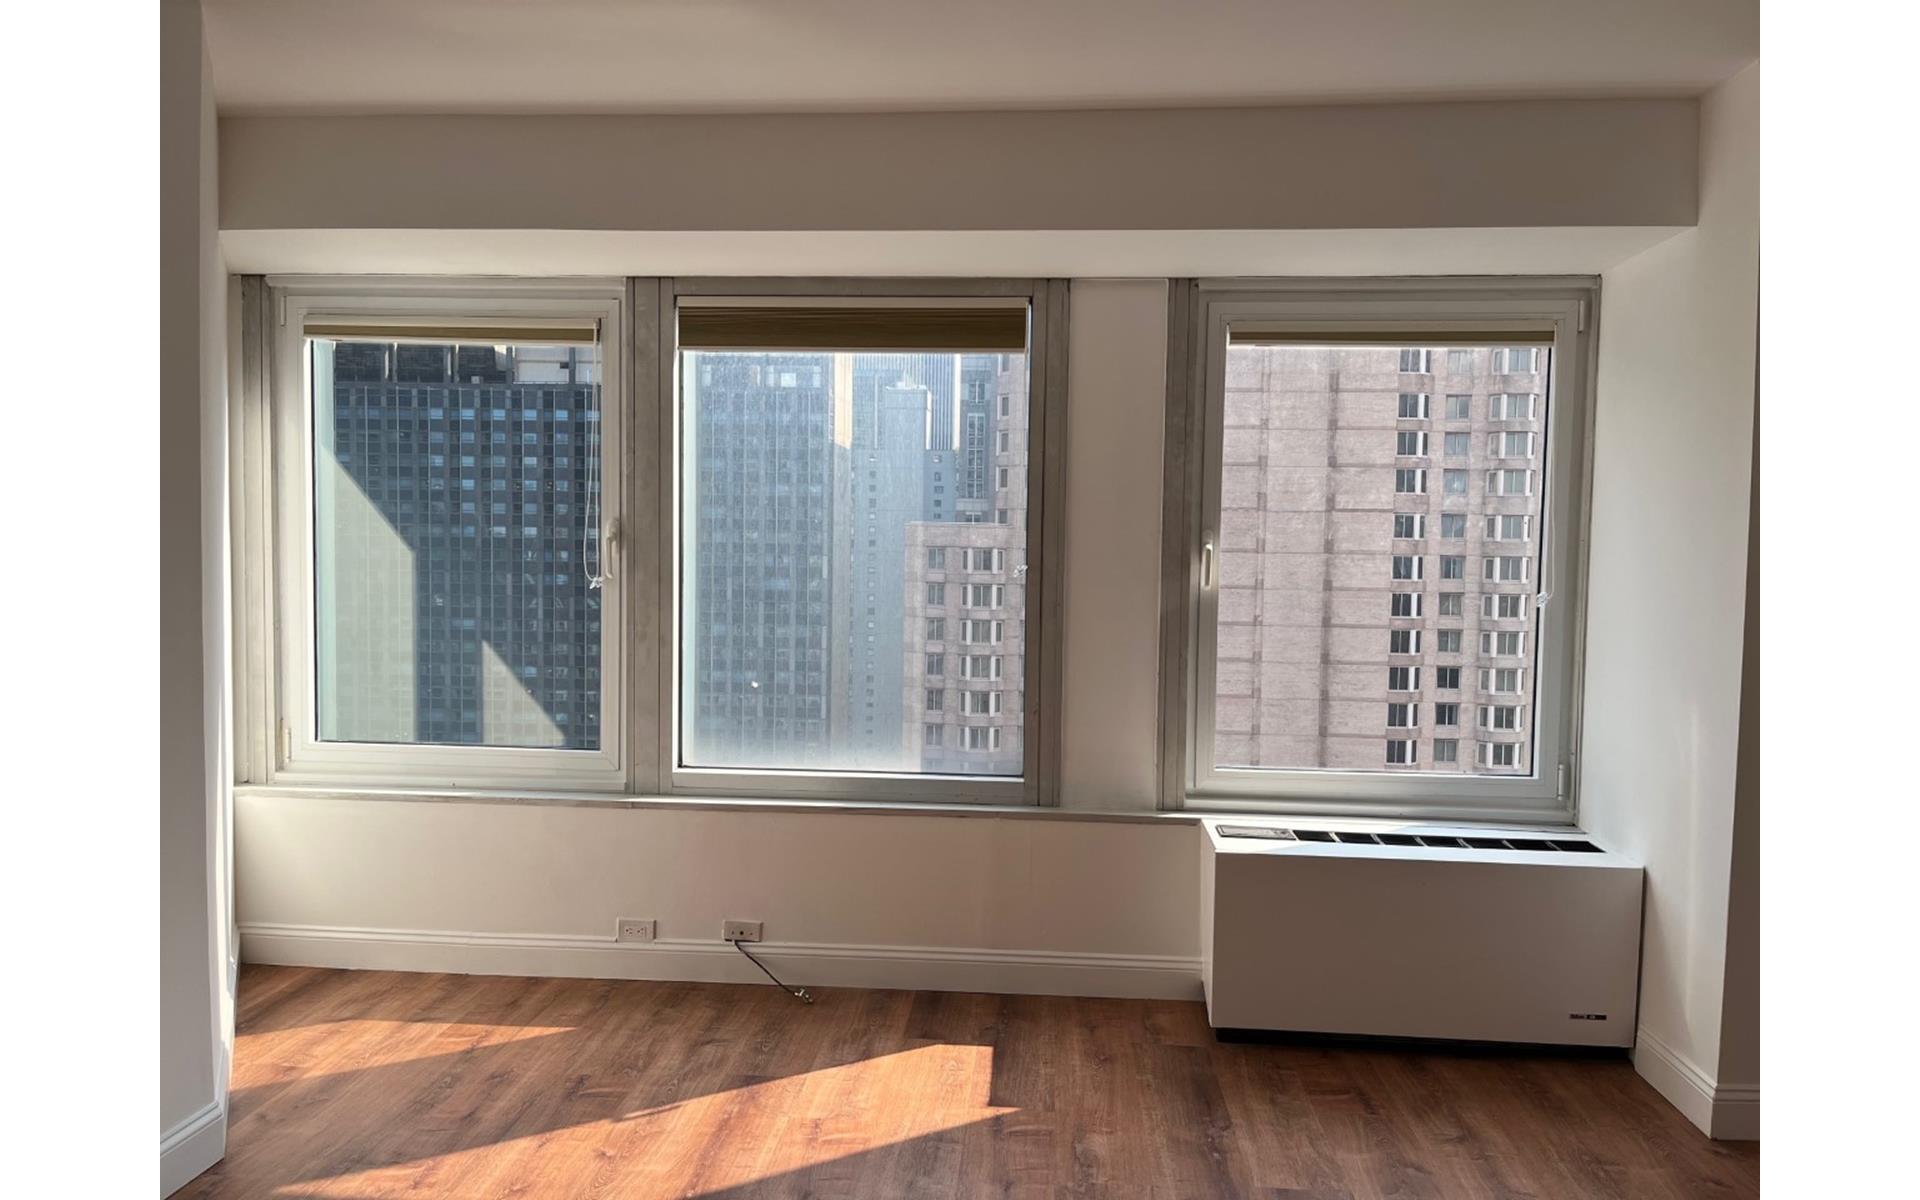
[353, 1085]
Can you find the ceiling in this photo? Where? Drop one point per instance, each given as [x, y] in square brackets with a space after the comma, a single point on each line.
[606, 56]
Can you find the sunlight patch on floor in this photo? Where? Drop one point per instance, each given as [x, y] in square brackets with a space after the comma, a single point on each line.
[724, 1140]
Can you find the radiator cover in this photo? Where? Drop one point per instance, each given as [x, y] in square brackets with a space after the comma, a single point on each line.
[1419, 942]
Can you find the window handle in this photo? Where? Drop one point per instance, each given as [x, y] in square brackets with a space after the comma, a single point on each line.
[1206, 565]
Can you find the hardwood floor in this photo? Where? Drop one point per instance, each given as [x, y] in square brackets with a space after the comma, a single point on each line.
[356, 1085]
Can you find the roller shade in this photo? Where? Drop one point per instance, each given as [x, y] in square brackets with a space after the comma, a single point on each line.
[569, 334]
[997, 329]
[1412, 337]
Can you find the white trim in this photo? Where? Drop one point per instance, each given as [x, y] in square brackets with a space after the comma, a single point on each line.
[816, 964]
[1729, 1112]
[192, 1146]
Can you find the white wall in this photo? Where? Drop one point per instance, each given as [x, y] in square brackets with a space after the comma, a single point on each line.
[1673, 461]
[1382, 166]
[195, 996]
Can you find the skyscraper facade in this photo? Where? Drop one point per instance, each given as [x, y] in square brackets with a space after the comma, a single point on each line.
[453, 486]
[1379, 544]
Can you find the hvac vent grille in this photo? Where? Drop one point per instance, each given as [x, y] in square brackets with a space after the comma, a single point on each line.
[1435, 841]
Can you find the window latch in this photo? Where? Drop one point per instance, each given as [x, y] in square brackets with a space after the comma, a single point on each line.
[1206, 565]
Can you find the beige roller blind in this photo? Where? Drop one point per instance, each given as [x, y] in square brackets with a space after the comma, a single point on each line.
[997, 329]
[573, 334]
[1410, 337]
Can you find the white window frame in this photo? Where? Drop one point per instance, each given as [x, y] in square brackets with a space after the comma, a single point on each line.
[1500, 443]
[301, 758]
[1041, 632]
[1501, 406]
[1422, 405]
[1415, 568]
[1415, 475]
[1414, 604]
[1411, 638]
[639, 707]
[1403, 714]
[1560, 312]
[1492, 639]
[1416, 521]
[1498, 477]
[1418, 441]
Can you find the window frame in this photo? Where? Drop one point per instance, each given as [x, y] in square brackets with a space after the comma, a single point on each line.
[1047, 302]
[640, 507]
[1202, 313]
[298, 756]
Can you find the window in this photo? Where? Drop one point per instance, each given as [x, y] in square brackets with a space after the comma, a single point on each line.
[1403, 716]
[1511, 528]
[1505, 568]
[1504, 608]
[1504, 643]
[446, 474]
[983, 737]
[1511, 444]
[451, 461]
[1509, 483]
[1514, 360]
[1446, 750]
[1499, 754]
[980, 666]
[1402, 753]
[1503, 717]
[1510, 406]
[1446, 715]
[1274, 514]
[1500, 680]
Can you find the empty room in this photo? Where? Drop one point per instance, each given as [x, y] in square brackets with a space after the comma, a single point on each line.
[882, 599]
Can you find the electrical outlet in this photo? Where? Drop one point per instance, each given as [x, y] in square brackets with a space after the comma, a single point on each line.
[630, 930]
[740, 931]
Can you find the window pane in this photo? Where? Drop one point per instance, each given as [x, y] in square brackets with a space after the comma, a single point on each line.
[451, 507]
[1309, 652]
[853, 524]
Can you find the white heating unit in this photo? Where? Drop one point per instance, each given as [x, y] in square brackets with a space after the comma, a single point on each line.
[1419, 931]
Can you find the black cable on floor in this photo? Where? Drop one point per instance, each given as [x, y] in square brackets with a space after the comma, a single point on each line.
[797, 993]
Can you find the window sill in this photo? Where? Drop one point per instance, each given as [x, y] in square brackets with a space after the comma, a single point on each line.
[709, 803]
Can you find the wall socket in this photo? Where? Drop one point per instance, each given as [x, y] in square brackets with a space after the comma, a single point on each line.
[740, 931]
[628, 929]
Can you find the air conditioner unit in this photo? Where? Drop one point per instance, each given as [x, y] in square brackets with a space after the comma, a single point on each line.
[1419, 931]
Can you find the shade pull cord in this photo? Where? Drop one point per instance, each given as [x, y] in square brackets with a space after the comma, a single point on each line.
[591, 560]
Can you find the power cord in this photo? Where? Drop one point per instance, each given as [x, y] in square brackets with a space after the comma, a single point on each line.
[799, 994]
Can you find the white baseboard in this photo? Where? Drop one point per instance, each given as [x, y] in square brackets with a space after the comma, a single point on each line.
[192, 1146]
[1730, 1112]
[915, 968]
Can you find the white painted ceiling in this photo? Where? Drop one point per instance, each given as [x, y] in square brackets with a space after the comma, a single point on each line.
[553, 56]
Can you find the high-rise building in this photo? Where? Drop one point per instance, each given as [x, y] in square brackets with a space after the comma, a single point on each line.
[453, 483]
[1380, 534]
[765, 477]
